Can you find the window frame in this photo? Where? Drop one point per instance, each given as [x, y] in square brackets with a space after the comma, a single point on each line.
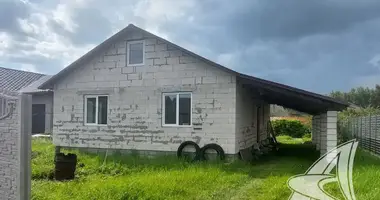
[96, 109]
[177, 109]
[128, 48]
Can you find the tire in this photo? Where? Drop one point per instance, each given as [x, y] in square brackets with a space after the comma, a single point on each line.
[216, 147]
[189, 143]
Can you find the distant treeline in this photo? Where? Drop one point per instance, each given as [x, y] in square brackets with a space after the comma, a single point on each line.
[360, 96]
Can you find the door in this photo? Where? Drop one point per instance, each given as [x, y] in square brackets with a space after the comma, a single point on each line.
[38, 118]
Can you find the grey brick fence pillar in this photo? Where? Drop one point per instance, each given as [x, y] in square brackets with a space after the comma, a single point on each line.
[25, 135]
[15, 145]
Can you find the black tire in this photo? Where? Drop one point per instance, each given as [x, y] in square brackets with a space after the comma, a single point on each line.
[216, 147]
[189, 143]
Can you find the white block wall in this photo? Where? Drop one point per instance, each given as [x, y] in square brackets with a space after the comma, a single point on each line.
[135, 95]
[331, 134]
[325, 131]
[246, 118]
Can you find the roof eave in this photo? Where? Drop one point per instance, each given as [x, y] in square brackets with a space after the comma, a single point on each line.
[296, 90]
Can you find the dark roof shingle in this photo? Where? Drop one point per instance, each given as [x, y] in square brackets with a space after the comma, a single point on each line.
[14, 80]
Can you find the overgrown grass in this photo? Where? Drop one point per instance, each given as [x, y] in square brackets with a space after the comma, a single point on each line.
[285, 139]
[166, 177]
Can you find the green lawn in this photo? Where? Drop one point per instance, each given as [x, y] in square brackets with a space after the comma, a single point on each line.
[134, 177]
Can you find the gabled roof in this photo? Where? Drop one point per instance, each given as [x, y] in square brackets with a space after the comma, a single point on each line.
[293, 94]
[14, 80]
[110, 41]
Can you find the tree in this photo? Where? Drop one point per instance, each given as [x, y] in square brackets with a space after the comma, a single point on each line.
[360, 96]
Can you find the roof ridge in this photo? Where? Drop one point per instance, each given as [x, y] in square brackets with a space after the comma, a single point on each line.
[19, 70]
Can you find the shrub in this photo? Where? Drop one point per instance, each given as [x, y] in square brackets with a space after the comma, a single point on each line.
[293, 128]
[307, 136]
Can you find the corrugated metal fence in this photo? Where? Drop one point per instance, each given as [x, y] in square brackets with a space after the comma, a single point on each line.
[365, 129]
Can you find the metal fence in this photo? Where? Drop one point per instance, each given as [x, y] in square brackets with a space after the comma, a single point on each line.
[365, 129]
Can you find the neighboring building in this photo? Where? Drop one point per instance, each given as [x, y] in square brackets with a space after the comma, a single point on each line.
[139, 91]
[28, 82]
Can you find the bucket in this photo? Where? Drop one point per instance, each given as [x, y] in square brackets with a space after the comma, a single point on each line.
[65, 166]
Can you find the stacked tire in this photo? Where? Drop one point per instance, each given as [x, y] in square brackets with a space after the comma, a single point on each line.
[200, 153]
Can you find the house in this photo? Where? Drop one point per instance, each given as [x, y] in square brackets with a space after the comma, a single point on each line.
[28, 82]
[139, 91]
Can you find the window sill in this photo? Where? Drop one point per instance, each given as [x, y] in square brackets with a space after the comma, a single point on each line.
[96, 124]
[135, 65]
[176, 126]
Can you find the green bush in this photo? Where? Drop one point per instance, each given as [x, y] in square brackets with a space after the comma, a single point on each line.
[293, 128]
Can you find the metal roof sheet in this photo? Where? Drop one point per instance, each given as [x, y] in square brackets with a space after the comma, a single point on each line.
[14, 80]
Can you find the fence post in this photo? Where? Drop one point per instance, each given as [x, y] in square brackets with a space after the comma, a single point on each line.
[376, 141]
[370, 132]
[361, 131]
[357, 129]
[355, 134]
[352, 128]
[25, 147]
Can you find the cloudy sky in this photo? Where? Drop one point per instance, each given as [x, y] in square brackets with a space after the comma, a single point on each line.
[319, 45]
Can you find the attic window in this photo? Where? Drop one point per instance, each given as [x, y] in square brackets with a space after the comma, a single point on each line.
[135, 53]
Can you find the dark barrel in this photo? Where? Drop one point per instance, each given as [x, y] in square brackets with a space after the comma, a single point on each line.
[65, 166]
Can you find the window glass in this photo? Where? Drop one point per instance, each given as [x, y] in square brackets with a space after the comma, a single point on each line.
[91, 110]
[184, 109]
[170, 109]
[102, 109]
[136, 54]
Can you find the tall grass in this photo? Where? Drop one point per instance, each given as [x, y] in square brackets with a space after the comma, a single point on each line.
[124, 177]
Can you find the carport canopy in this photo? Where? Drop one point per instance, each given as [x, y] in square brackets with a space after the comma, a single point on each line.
[290, 97]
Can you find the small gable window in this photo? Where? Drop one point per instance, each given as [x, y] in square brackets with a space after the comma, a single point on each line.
[135, 53]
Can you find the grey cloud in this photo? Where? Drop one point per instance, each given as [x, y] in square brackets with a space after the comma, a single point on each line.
[319, 45]
[42, 64]
[96, 21]
[92, 27]
[245, 22]
[289, 19]
[10, 12]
